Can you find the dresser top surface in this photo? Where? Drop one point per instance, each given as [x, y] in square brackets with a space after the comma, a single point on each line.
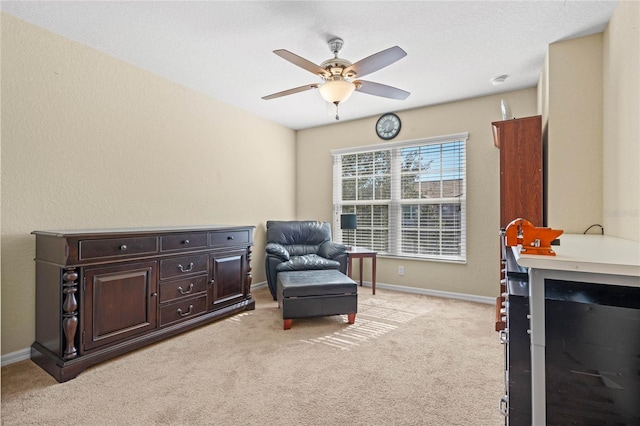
[140, 230]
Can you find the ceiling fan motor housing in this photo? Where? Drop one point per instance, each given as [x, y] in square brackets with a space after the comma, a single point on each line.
[336, 66]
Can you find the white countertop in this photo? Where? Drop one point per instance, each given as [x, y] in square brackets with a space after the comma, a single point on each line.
[600, 254]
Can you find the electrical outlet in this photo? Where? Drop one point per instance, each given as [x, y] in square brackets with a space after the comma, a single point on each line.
[400, 270]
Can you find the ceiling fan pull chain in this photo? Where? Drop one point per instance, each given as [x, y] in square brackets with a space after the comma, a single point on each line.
[337, 116]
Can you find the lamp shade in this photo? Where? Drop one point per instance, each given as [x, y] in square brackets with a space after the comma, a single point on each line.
[348, 221]
[336, 91]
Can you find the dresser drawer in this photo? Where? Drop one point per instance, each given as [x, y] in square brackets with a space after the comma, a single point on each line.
[182, 310]
[170, 290]
[185, 265]
[183, 241]
[112, 247]
[222, 238]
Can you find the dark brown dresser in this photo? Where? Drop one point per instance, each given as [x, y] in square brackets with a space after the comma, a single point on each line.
[102, 293]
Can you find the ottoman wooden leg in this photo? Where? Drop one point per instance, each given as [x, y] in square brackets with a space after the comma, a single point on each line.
[351, 318]
[286, 324]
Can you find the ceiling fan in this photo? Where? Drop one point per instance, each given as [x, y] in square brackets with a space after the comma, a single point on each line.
[342, 78]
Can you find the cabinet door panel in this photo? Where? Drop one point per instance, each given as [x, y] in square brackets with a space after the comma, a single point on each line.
[119, 302]
[229, 275]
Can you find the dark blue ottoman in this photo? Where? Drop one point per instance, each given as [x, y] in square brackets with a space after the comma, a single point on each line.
[303, 294]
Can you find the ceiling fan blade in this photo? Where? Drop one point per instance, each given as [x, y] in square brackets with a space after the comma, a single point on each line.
[302, 62]
[377, 89]
[376, 61]
[291, 91]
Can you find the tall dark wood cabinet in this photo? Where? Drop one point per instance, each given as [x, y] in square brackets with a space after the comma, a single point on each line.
[102, 293]
[521, 196]
[520, 144]
[521, 182]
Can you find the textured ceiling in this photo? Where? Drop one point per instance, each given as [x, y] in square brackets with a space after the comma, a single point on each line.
[224, 48]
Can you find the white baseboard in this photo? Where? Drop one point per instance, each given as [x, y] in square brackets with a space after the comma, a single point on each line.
[437, 293]
[258, 285]
[23, 354]
[16, 356]
[446, 294]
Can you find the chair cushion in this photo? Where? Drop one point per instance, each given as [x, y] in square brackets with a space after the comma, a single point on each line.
[302, 249]
[306, 262]
[315, 283]
[305, 232]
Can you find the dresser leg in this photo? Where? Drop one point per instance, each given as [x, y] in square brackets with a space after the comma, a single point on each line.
[70, 312]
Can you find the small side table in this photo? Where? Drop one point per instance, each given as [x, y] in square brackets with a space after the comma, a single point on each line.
[361, 253]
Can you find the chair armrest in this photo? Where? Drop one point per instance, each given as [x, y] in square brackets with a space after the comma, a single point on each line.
[330, 249]
[278, 250]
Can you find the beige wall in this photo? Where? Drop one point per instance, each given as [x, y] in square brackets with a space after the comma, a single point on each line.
[89, 141]
[543, 91]
[621, 133]
[574, 134]
[480, 275]
[589, 97]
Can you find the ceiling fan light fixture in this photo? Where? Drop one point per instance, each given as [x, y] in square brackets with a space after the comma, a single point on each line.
[336, 91]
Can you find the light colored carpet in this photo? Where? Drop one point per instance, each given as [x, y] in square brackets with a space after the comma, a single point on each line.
[408, 360]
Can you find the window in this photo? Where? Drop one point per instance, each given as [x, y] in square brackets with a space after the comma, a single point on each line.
[409, 197]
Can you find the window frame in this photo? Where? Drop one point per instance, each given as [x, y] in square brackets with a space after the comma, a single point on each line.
[394, 227]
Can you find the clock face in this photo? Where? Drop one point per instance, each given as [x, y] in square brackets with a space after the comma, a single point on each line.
[388, 126]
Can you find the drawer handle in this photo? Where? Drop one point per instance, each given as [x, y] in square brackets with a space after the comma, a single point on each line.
[230, 237]
[186, 292]
[185, 242]
[504, 337]
[503, 406]
[184, 314]
[123, 247]
[189, 268]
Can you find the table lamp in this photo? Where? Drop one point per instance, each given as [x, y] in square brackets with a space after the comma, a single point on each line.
[349, 221]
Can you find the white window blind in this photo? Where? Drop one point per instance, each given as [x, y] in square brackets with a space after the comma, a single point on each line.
[409, 197]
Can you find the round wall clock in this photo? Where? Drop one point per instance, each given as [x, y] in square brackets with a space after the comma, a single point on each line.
[388, 126]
